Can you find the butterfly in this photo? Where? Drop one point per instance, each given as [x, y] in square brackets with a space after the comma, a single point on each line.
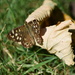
[27, 34]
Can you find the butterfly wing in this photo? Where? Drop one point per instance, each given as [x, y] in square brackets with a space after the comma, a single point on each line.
[35, 29]
[22, 36]
[27, 34]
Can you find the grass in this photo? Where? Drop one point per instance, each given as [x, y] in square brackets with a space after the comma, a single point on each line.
[17, 60]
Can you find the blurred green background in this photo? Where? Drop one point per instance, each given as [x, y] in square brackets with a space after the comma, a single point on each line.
[17, 60]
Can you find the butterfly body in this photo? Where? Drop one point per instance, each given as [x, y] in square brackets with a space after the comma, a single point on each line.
[27, 34]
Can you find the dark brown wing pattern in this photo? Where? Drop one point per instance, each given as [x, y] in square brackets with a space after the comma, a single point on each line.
[27, 34]
[34, 28]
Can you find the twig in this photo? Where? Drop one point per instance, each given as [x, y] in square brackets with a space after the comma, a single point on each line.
[3, 29]
[8, 53]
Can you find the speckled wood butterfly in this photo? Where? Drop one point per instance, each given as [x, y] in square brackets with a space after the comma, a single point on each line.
[27, 34]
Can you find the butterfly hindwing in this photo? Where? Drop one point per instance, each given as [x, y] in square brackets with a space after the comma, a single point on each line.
[35, 27]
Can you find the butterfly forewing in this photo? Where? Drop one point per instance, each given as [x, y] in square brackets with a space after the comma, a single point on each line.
[22, 36]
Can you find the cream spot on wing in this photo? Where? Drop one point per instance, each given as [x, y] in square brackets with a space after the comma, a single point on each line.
[12, 36]
[13, 31]
[19, 30]
[17, 38]
[34, 26]
[16, 34]
[36, 31]
[19, 42]
[16, 30]
[20, 38]
[38, 39]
